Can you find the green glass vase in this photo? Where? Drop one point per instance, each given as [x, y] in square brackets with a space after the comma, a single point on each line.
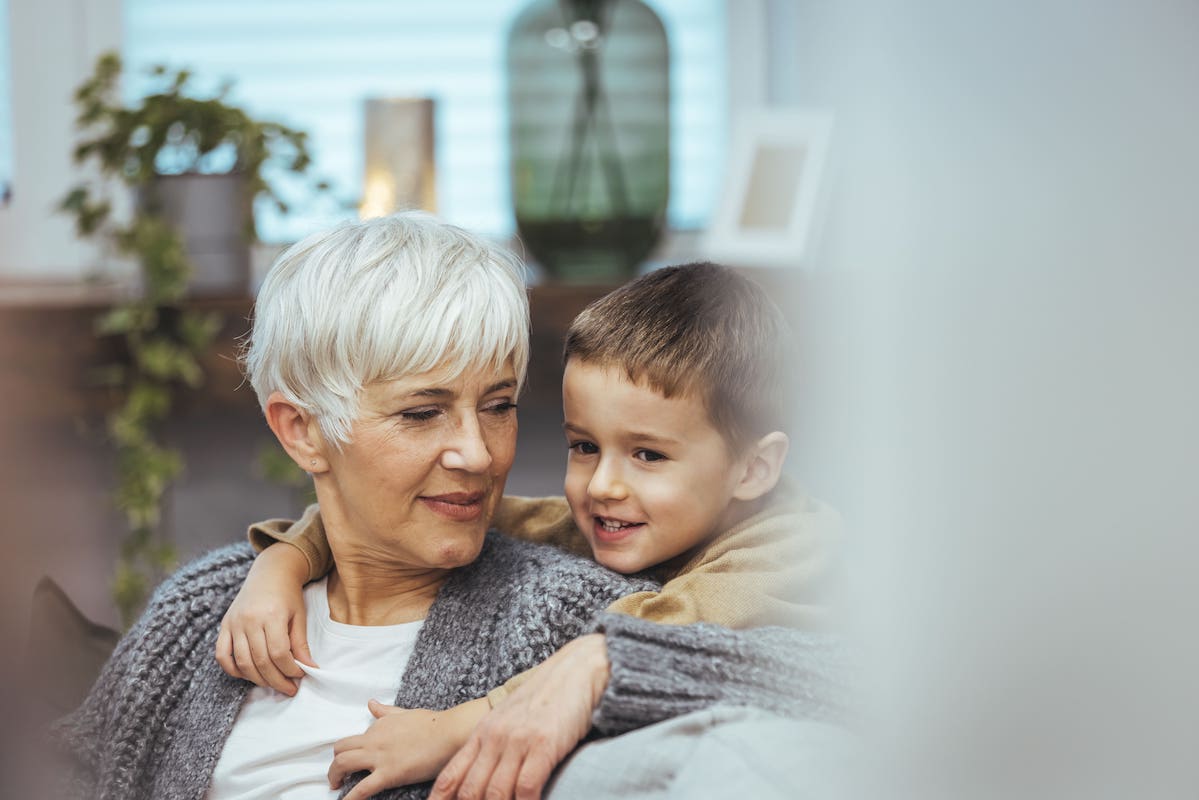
[589, 135]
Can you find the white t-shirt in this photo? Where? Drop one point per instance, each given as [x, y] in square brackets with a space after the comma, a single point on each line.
[280, 746]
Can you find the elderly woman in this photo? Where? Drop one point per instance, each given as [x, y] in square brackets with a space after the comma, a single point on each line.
[387, 357]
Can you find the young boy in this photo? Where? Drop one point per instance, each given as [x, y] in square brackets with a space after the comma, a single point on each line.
[675, 396]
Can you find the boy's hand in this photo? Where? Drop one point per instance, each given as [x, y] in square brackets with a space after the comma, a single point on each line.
[267, 624]
[515, 748]
[403, 746]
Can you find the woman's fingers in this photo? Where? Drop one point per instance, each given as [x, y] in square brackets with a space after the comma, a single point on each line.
[474, 782]
[451, 775]
[534, 772]
[224, 653]
[502, 781]
[261, 655]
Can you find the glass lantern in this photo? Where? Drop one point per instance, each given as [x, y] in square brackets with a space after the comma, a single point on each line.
[589, 135]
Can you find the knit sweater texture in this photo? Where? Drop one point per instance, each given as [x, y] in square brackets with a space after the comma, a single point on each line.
[658, 672]
[154, 724]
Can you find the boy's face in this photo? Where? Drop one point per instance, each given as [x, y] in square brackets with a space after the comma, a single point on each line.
[647, 477]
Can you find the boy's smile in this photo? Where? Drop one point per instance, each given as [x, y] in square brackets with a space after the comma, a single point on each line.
[647, 477]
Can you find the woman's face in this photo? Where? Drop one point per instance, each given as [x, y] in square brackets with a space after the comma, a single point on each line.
[418, 483]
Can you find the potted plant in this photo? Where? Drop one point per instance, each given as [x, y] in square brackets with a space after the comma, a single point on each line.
[189, 160]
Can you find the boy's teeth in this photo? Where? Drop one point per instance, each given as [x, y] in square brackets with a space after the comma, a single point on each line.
[614, 525]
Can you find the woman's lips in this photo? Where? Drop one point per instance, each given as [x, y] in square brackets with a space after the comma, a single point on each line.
[457, 506]
[614, 530]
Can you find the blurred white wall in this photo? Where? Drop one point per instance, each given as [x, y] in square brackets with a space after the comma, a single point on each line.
[1003, 336]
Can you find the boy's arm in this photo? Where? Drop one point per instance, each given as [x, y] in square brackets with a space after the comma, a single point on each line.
[307, 534]
[267, 621]
[545, 520]
[265, 630]
[266, 625]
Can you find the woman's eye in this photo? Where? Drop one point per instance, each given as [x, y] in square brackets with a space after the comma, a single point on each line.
[421, 415]
[584, 448]
[648, 455]
[502, 408]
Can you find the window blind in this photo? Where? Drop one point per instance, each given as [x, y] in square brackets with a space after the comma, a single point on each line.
[311, 63]
[6, 123]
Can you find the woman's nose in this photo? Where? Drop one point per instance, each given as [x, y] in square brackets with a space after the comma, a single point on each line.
[607, 483]
[468, 451]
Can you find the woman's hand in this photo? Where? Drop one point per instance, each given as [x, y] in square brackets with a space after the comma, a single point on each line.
[515, 748]
[265, 631]
[403, 746]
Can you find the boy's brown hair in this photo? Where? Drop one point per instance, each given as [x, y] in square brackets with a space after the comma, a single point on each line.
[697, 329]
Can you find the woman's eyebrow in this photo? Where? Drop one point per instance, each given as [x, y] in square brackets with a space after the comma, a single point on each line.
[438, 391]
[508, 383]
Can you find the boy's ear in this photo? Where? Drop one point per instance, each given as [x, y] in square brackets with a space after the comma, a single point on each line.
[763, 466]
[297, 431]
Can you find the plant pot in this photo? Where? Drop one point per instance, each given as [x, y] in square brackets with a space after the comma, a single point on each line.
[212, 214]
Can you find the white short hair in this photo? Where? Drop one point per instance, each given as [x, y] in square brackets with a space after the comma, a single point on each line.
[377, 300]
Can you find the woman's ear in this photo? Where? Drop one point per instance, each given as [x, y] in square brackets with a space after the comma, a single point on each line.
[297, 431]
[763, 466]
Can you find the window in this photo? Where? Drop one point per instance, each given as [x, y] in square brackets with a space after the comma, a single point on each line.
[6, 125]
[311, 64]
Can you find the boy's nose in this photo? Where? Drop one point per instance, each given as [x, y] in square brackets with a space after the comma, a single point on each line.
[606, 484]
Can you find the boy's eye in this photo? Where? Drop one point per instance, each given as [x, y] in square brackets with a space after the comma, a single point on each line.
[648, 455]
[584, 448]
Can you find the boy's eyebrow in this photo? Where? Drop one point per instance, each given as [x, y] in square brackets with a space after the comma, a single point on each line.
[643, 436]
[632, 436]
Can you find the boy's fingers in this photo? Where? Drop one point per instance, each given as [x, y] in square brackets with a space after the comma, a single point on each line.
[224, 653]
[245, 662]
[347, 763]
[355, 742]
[299, 641]
[367, 787]
[279, 650]
[266, 668]
[380, 710]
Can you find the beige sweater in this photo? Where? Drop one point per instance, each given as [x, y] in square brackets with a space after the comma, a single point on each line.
[777, 567]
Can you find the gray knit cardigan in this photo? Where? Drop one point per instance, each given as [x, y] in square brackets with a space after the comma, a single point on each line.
[156, 721]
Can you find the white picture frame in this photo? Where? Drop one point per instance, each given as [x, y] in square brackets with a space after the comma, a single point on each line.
[768, 210]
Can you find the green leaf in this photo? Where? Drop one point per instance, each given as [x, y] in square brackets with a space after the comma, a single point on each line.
[198, 330]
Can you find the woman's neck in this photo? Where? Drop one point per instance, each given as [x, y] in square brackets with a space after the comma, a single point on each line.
[367, 586]
[370, 594]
